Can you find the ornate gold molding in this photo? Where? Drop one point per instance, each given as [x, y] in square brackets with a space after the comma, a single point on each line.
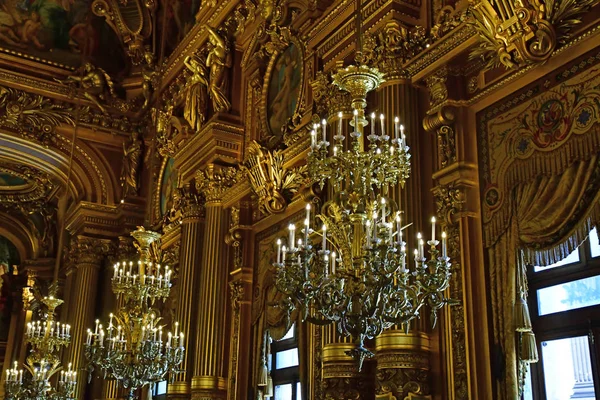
[393, 46]
[213, 181]
[32, 116]
[515, 34]
[90, 251]
[273, 183]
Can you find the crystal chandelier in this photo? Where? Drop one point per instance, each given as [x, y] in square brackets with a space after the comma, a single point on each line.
[133, 348]
[359, 275]
[47, 337]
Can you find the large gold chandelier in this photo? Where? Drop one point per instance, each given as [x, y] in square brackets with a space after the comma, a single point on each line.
[353, 268]
[133, 348]
[47, 337]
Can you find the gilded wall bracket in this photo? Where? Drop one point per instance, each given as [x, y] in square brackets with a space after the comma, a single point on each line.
[273, 183]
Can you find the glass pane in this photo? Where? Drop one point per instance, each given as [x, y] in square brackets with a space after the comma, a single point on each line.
[570, 259]
[567, 369]
[286, 359]
[569, 296]
[527, 391]
[162, 387]
[298, 391]
[283, 392]
[594, 243]
[290, 333]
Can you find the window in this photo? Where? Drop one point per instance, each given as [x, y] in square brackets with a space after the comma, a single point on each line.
[159, 390]
[564, 301]
[284, 365]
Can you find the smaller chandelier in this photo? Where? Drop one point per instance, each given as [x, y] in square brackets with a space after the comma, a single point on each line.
[47, 337]
[359, 275]
[133, 348]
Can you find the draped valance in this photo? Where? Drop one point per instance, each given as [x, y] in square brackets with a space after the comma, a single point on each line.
[540, 180]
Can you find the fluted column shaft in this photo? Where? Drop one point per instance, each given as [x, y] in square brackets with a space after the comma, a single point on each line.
[192, 237]
[208, 381]
[88, 261]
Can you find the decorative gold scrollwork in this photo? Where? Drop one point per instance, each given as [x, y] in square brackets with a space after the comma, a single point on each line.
[524, 32]
[271, 181]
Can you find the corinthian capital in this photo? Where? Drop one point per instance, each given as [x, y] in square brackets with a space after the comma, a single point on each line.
[87, 250]
[213, 181]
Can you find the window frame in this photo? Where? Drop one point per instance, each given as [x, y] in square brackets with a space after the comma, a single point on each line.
[584, 321]
[289, 375]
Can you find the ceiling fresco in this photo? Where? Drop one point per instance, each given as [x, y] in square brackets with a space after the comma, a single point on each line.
[58, 32]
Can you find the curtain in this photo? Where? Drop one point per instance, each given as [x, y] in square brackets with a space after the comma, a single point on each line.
[550, 217]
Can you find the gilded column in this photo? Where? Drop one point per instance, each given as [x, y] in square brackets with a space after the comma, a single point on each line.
[89, 254]
[209, 380]
[188, 295]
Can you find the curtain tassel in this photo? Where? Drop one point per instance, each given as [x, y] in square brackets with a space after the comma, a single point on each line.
[522, 318]
[529, 351]
[263, 374]
[269, 388]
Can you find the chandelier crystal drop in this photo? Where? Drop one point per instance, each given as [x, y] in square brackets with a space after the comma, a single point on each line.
[350, 264]
[133, 348]
[42, 377]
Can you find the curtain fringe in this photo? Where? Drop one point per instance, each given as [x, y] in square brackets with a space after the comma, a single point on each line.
[580, 147]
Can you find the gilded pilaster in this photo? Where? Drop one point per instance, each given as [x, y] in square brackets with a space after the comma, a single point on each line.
[209, 380]
[239, 238]
[464, 344]
[190, 259]
[88, 256]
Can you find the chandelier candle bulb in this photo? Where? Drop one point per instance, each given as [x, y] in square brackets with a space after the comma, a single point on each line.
[278, 251]
[443, 244]
[383, 210]
[340, 121]
[419, 240]
[433, 229]
[292, 236]
[307, 213]
[368, 225]
[396, 128]
[373, 130]
[399, 228]
[324, 127]
[356, 121]
[403, 258]
[421, 250]
[324, 244]
[333, 260]
[402, 137]
[283, 253]
[382, 126]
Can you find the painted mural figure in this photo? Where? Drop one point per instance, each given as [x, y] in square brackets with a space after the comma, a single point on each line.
[218, 60]
[194, 110]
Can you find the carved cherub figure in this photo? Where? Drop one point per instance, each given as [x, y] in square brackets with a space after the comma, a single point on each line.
[96, 83]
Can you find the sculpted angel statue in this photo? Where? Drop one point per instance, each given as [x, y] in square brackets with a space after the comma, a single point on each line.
[96, 83]
[194, 110]
[131, 165]
[218, 60]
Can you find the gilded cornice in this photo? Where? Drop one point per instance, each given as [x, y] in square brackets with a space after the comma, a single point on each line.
[104, 220]
[217, 141]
